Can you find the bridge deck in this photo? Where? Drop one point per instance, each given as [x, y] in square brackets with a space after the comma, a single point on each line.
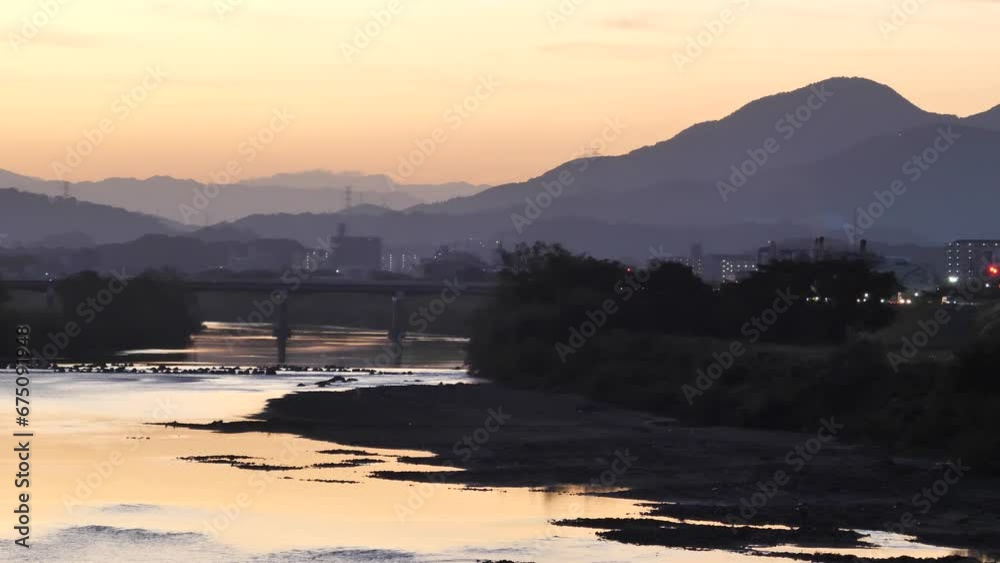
[267, 286]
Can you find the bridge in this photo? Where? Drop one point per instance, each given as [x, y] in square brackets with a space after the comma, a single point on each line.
[396, 289]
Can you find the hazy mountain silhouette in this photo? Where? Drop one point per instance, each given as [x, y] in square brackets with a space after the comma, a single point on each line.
[951, 199]
[32, 219]
[987, 120]
[183, 254]
[423, 233]
[856, 142]
[369, 183]
[850, 111]
[179, 200]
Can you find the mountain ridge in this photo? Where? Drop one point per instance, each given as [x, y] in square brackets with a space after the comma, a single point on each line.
[859, 109]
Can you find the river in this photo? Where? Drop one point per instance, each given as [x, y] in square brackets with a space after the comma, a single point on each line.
[108, 482]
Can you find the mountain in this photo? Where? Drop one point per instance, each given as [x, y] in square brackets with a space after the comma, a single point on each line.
[953, 198]
[193, 203]
[844, 112]
[369, 184]
[182, 254]
[987, 120]
[423, 233]
[32, 219]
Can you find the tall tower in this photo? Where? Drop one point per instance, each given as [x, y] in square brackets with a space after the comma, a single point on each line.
[348, 197]
[66, 190]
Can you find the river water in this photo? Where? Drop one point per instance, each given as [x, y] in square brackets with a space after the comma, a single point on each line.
[108, 483]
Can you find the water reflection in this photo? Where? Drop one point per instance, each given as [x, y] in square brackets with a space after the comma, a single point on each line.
[110, 482]
[255, 345]
[112, 486]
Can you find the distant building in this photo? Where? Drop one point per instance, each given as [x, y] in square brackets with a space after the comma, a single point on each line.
[448, 263]
[258, 255]
[913, 276]
[355, 257]
[768, 254]
[820, 251]
[972, 259]
[729, 268]
[400, 261]
[694, 260]
[734, 268]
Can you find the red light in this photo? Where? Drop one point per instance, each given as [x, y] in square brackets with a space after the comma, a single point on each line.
[629, 270]
[994, 270]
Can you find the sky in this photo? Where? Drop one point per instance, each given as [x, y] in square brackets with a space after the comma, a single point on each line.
[429, 91]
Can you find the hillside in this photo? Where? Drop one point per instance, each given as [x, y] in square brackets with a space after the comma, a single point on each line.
[32, 219]
[192, 203]
[845, 113]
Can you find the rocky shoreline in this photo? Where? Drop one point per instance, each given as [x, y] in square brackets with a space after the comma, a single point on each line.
[809, 482]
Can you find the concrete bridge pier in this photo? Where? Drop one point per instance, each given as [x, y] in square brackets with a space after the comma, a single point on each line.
[282, 331]
[397, 331]
[50, 297]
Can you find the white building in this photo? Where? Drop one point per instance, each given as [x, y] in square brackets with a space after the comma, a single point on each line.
[971, 259]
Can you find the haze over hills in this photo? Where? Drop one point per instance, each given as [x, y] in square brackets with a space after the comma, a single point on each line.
[953, 198]
[369, 184]
[179, 200]
[834, 143]
[988, 119]
[32, 219]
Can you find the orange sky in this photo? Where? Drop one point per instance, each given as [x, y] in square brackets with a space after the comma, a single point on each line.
[558, 68]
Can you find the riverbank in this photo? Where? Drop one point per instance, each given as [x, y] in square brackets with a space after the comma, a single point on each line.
[813, 482]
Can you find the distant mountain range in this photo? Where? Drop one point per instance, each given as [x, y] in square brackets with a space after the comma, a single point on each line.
[36, 220]
[179, 200]
[824, 162]
[789, 166]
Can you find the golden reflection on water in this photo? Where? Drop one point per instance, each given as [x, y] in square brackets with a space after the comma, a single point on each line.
[255, 345]
[94, 452]
[102, 456]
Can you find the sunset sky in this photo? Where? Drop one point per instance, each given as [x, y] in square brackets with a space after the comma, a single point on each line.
[559, 75]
